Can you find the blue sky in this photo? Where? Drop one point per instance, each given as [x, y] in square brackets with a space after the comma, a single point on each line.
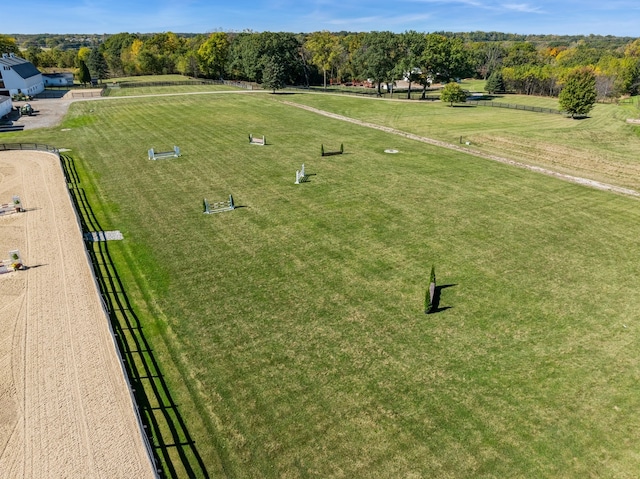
[562, 17]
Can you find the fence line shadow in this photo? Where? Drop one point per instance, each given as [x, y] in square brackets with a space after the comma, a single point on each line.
[175, 451]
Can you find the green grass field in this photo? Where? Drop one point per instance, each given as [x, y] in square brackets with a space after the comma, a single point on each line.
[291, 331]
[602, 147]
[161, 90]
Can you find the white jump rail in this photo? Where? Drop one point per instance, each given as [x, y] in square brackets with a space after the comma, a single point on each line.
[159, 155]
[257, 141]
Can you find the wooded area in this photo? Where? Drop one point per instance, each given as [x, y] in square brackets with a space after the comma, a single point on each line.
[526, 64]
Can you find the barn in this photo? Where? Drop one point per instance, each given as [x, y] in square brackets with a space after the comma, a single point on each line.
[18, 75]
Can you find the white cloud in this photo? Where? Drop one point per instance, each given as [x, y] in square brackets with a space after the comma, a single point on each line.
[522, 8]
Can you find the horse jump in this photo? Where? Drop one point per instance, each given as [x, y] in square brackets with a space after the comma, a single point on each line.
[14, 207]
[218, 207]
[14, 262]
[159, 155]
[301, 176]
[257, 141]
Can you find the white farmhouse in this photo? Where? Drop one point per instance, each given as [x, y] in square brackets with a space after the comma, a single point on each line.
[17, 75]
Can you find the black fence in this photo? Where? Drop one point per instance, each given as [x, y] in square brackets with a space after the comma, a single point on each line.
[28, 146]
[163, 83]
[496, 104]
[239, 84]
[52, 93]
[416, 94]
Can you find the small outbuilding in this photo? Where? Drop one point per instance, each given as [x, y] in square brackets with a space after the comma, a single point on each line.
[58, 79]
[18, 75]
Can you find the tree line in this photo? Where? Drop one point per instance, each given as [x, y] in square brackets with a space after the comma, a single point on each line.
[527, 65]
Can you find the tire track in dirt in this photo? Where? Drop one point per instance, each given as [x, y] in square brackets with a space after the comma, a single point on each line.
[545, 171]
[67, 330]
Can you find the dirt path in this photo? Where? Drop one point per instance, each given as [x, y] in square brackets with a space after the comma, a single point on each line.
[65, 408]
[574, 179]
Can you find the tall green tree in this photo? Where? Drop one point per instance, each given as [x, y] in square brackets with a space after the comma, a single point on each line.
[521, 53]
[160, 53]
[84, 76]
[453, 93]
[495, 83]
[579, 93]
[531, 79]
[97, 64]
[377, 57]
[273, 75]
[409, 64]
[32, 54]
[8, 45]
[250, 53]
[446, 59]
[189, 64]
[348, 67]
[214, 54]
[487, 57]
[325, 50]
[113, 49]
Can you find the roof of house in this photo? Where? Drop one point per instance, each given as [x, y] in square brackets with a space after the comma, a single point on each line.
[21, 66]
[58, 75]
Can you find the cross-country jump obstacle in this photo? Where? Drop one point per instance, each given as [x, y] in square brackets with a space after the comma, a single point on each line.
[14, 263]
[301, 176]
[159, 155]
[218, 207]
[257, 141]
[9, 208]
[331, 153]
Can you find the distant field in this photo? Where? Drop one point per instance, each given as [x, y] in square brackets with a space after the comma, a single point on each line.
[169, 89]
[159, 90]
[602, 147]
[148, 78]
[292, 329]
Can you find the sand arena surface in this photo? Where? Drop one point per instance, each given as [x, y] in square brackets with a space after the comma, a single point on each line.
[65, 408]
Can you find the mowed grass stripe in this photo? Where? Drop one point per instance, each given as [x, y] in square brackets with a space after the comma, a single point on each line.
[299, 317]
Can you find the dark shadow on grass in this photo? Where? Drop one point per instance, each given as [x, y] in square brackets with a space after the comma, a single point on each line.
[175, 453]
[436, 308]
[307, 178]
[35, 266]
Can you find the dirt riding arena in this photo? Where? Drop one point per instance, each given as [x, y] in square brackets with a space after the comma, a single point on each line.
[65, 407]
